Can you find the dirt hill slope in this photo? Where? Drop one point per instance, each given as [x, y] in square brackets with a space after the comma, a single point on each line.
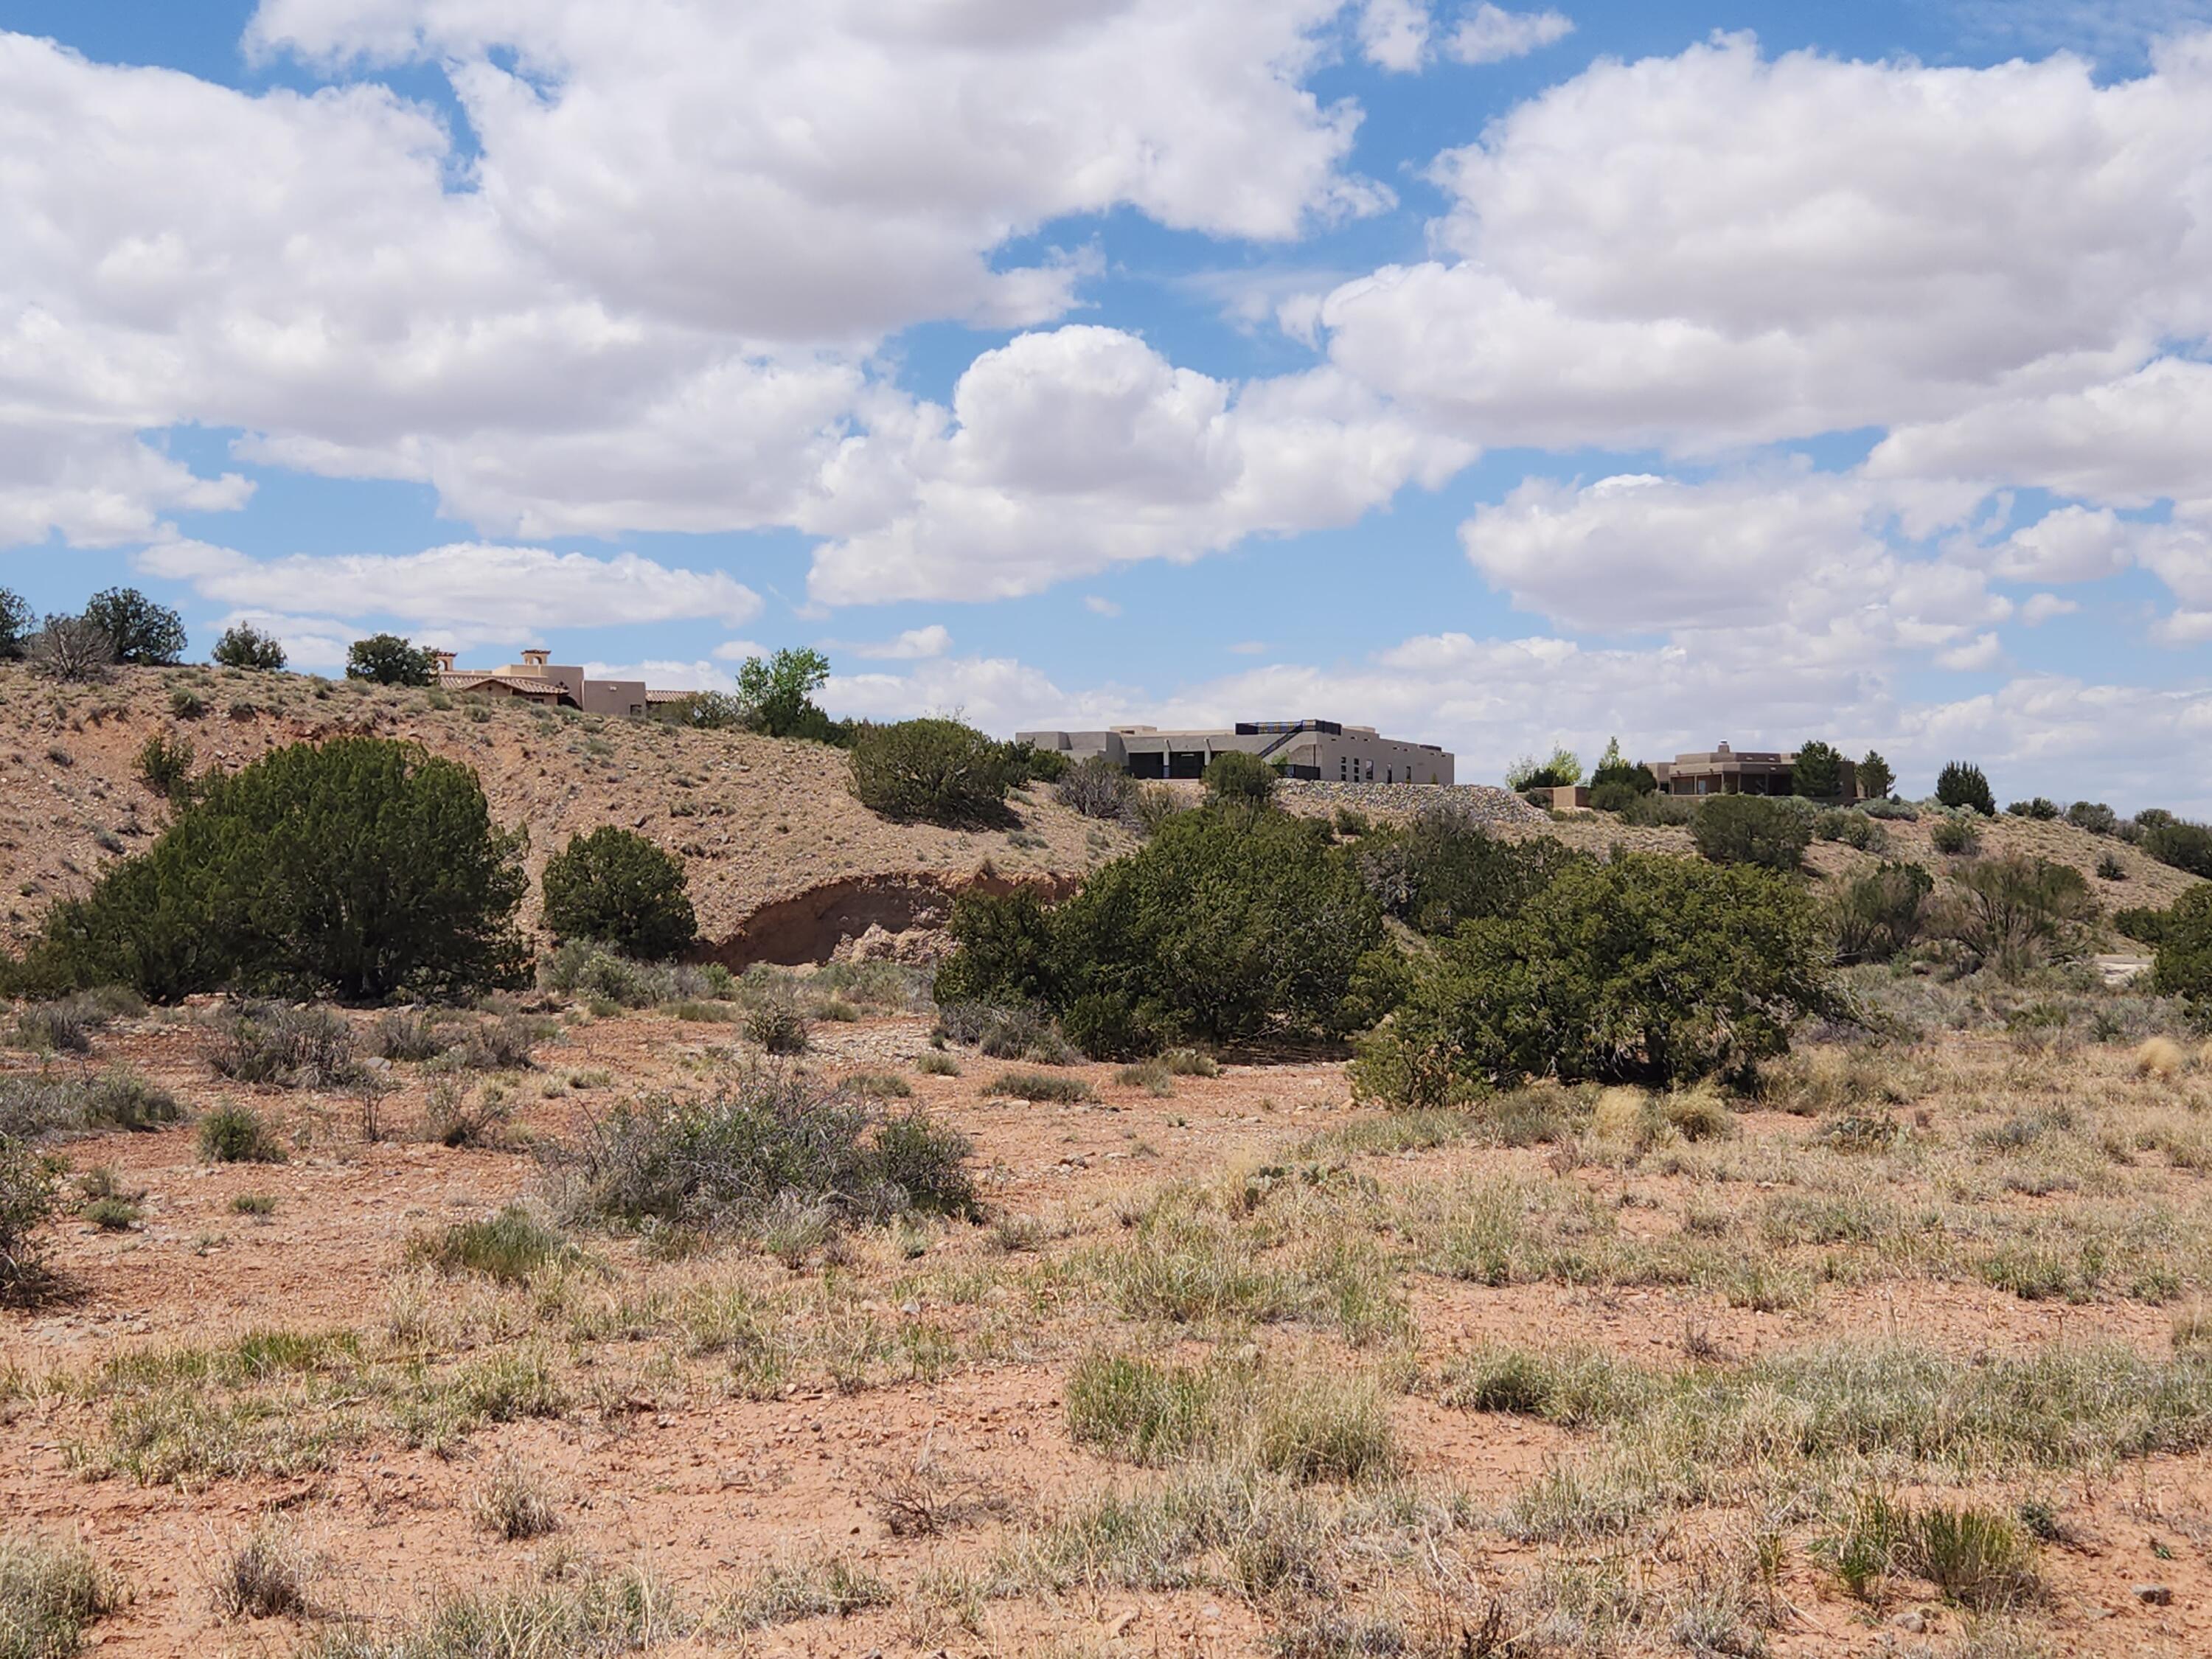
[759, 822]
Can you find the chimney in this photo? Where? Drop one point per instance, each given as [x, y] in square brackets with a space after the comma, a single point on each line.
[537, 659]
[445, 662]
[1722, 749]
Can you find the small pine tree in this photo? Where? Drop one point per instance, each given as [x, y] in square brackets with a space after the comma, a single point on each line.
[245, 645]
[1818, 772]
[388, 660]
[142, 631]
[615, 886]
[1876, 778]
[1961, 783]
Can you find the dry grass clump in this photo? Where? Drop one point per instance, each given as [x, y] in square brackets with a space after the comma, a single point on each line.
[782, 1594]
[2162, 1058]
[266, 1576]
[1303, 1425]
[780, 1026]
[508, 1247]
[1040, 1088]
[50, 1592]
[928, 1495]
[591, 1616]
[1978, 1559]
[37, 1103]
[68, 1024]
[514, 1502]
[231, 1133]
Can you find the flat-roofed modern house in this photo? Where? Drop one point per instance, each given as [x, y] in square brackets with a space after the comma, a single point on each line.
[1324, 749]
[1726, 771]
[539, 679]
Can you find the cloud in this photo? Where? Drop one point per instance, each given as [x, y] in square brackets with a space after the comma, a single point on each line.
[1491, 34]
[1827, 559]
[1073, 451]
[912, 645]
[2040, 608]
[1982, 651]
[1098, 605]
[1247, 648]
[470, 588]
[739, 651]
[96, 486]
[662, 675]
[1394, 34]
[1716, 249]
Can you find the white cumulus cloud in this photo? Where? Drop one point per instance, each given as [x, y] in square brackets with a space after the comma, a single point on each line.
[1491, 34]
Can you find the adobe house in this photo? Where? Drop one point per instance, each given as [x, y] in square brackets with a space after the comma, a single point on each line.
[539, 680]
[1322, 749]
[1726, 771]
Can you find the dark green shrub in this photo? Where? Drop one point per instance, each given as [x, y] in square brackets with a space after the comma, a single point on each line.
[17, 621]
[407, 1035]
[244, 646]
[1615, 796]
[1878, 915]
[1095, 788]
[231, 1133]
[1027, 763]
[1231, 923]
[186, 704]
[2109, 868]
[2094, 815]
[2183, 939]
[2042, 809]
[1646, 969]
[1350, 823]
[1612, 769]
[1660, 812]
[141, 631]
[1852, 829]
[1752, 830]
[2144, 925]
[1561, 771]
[1961, 783]
[939, 771]
[720, 1162]
[388, 660]
[1954, 836]
[1238, 778]
[617, 887]
[1443, 868]
[164, 765]
[361, 867]
[2184, 844]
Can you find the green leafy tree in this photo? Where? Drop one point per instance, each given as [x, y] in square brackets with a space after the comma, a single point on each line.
[1876, 781]
[244, 646]
[142, 632]
[1752, 830]
[1961, 783]
[1645, 970]
[939, 771]
[1561, 771]
[1235, 777]
[361, 867]
[778, 696]
[16, 624]
[2011, 912]
[388, 660]
[1228, 924]
[615, 886]
[1817, 774]
[2094, 817]
[1878, 915]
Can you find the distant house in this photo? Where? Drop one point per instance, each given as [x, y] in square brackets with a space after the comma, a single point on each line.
[1328, 751]
[1726, 771]
[552, 685]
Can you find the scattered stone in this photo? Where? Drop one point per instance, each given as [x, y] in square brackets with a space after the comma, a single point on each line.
[2155, 1596]
[1911, 1623]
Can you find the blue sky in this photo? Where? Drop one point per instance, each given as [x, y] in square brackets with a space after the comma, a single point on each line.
[1501, 376]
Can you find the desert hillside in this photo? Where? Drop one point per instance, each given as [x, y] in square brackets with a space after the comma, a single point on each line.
[759, 822]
